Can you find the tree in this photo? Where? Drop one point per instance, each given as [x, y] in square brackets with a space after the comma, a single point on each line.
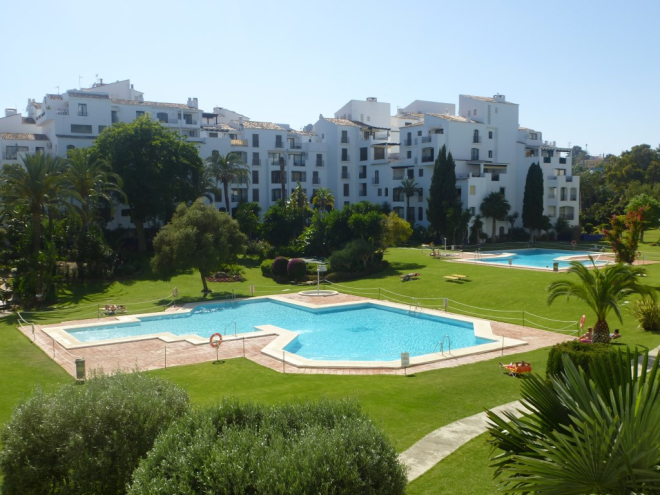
[443, 205]
[323, 200]
[159, 167]
[532, 214]
[409, 188]
[226, 169]
[247, 216]
[91, 180]
[395, 230]
[512, 219]
[299, 204]
[602, 289]
[593, 436]
[198, 237]
[625, 234]
[87, 439]
[496, 207]
[650, 208]
[475, 229]
[280, 225]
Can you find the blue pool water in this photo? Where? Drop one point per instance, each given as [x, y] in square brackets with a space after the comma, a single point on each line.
[537, 258]
[364, 332]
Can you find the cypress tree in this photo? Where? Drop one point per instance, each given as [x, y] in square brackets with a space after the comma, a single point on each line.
[443, 205]
[532, 211]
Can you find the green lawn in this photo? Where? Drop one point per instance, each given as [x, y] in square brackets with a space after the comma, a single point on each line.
[407, 407]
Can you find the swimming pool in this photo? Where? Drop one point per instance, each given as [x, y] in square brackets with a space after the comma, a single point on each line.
[349, 332]
[536, 258]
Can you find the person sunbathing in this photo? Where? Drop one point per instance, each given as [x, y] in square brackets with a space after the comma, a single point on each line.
[588, 337]
[615, 335]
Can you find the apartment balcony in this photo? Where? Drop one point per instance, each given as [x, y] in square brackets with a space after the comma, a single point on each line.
[320, 163]
[467, 176]
[346, 158]
[345, 140]
[239, 142]
[298, 163]
[295, 146]
[375, 180]
[426, 139]
[562, 161]
[316, 180]
[256, 161]
[345, 175]
[407, 142]
[427, 159]
[362, 175]
[62, 112]
[547, 159]
[476, 140]
[362, 193]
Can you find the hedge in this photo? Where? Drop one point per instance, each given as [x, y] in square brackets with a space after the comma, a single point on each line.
[583, 355]
[279, 266]
[306, 448]
[296, 269]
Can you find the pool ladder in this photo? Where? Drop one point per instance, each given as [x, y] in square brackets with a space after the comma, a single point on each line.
[227, 325]
[414, 308]
[442, 347]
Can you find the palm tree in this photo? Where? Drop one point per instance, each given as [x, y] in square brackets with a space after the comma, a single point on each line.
[226, 169]
[36, 185]
[299, 203]
[323, 199]
[595, 435]
[409, 188]
[601, 289]
[90, 180]
[496, 207]
[512, 218]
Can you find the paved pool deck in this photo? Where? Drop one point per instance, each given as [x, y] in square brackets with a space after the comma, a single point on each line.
[156, 353]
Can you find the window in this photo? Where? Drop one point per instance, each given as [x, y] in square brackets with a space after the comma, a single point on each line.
[410, 173]
[81, 129]
[533, 136]
[319, 160]
[475, 153]
[164, 118]
[239, 195]
[344, 154]
[255, 177]
[475, 136]
[379, 153]
[420, 173]
[473, 190]
[274, 158]
[255, 195]
[408, 141]
[126, 212]
[362, 173]
[490, 153]
[408, 154]
[139, 113]
[298, 176]
[490, 134]
[114, 117]
[101, 127]
[552, 211]
[347, 203]
[475, 112]
[70, 147]
[255, 158]
[187, 118]
[255, 140]
[427, 155]
[276, 177]
[278, 142]
[315, 178]
[213, 134]
[503, 191]
[420, 213]
[472, 210]
[39, 149]
[344, 172]
[346, 189]
[275, 194]
[419, 133]
[82, 109]
[344, 137]
[13, 151]
[380, 192]
[376, 177]
[364, 153]
[387, 191]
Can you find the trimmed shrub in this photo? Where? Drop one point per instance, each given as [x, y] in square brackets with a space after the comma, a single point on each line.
[296, 269]
[327, 447]
[279, 266]
[267, 268]
[583, 355]
[647, 313]
[87, 438]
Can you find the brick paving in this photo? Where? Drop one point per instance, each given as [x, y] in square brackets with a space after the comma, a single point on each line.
[155, 353]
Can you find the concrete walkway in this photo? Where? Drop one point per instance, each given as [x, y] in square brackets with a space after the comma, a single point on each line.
[438, 444]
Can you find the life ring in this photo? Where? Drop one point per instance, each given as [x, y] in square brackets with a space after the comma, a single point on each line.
[582, 320]
[215, 343]
[573, 243]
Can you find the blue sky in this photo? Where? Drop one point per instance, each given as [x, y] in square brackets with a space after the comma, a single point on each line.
[583, 72]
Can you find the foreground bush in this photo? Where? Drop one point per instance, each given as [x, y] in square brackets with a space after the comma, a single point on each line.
[324, 448]
[597, 436]
[296, 269]
[647, 312]
[85, 439]
[279, 266]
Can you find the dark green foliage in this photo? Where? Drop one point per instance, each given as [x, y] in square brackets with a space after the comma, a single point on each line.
[647, 312]
[324, 448]
[595, 435]
[93, 256]
[280, 225]
[247, 216]
[532, 213]
[444, 207]
[280, 265]
[354, 257]
[266, 268]
[86, 439]
[296, 269]
[585, 356]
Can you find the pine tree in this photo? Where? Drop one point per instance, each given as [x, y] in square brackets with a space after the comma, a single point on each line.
[532, 211]
[444, 208]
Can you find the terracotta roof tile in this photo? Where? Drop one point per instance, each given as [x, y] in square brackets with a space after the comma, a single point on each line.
[343, 122]
[95, 96]
[453, 118]
[218, 127]
[152, 104]
[54, 97]
[23, 137]
[251, 124]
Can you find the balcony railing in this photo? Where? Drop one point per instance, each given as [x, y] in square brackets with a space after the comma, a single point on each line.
[316, 180]
[345, 158]
[62, 112]
[573, 197]
[551, 177]
[495, 177]
[293, 146]
[547, 159]
[563, 197]
[320, 163]
[362, 175]
[476, 139]
[566, 216]
[427, 159]
[344, 140]
[256, 161]
[239, 142]
[298, 163]
[362, 193]
[278, 144]
[345, 175]
[375, 180]
[426, 139]
[569, 178]
[407, 142]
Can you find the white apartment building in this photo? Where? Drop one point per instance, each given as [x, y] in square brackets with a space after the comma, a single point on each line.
[362, 153]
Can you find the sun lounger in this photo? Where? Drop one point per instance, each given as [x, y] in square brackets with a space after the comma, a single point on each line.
[453, 278]
[462, 277]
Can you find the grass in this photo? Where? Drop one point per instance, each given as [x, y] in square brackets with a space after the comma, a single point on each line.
[407, 407]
